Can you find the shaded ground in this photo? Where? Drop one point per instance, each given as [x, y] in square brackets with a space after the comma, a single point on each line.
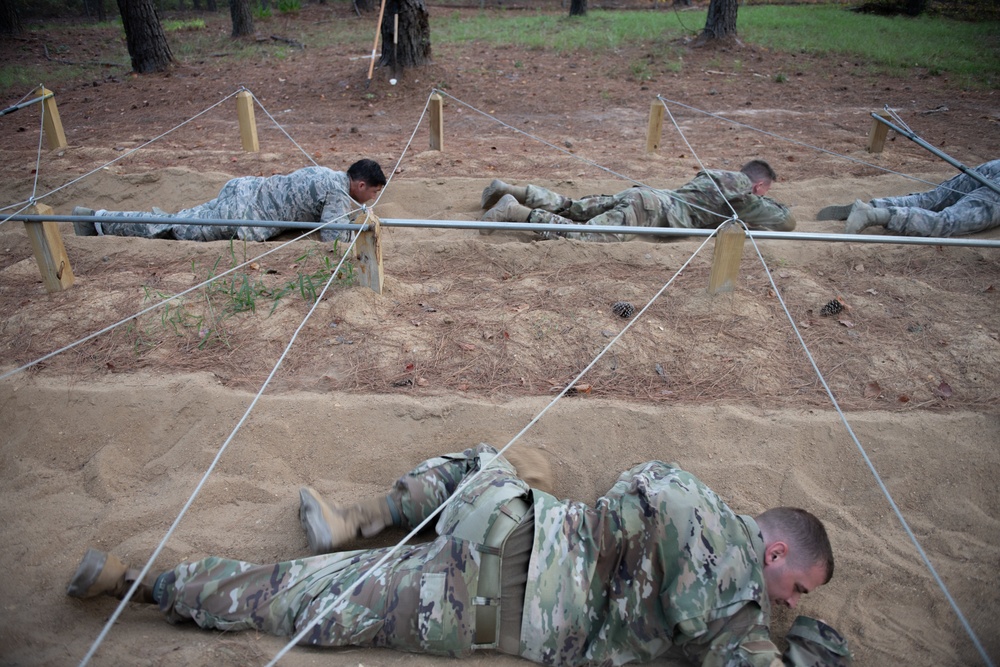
[102, 444]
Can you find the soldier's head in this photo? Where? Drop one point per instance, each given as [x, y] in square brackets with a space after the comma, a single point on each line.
[761, 175]
[367, 180]
[798, 557]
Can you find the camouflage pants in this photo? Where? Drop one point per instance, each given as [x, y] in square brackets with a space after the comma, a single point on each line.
[420, 600]
[635, 207]
[961, 205]
[227, 206]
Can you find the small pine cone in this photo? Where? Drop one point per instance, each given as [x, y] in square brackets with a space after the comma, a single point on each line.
[623, 309]
[835, 307]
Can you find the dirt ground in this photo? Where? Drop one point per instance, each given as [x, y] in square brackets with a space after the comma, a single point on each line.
[103, 444]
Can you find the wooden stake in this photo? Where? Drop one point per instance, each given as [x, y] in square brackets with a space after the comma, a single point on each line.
[437, 122]
[47, 244]
[368, 250]
[726, 257]
[378, 29]
[55, 137]
[655, 131]
[876, 138]
[248, 124]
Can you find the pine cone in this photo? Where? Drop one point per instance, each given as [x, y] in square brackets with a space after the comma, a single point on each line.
[623, 309]
[835, 307]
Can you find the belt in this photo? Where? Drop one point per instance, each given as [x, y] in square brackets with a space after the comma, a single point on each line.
[487, 600]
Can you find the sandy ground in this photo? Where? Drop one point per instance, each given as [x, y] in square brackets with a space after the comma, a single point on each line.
[108, 459]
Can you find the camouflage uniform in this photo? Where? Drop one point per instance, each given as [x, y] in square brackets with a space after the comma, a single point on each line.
[312, 194]
[700, 203]
[659, 565]
[961, 205]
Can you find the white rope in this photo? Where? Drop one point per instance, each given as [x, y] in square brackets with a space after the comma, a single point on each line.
[127, 153]
[327, 608]
[156, 552]
[279, 126]
[868, 461]
[666, 193]
[179, 294]
[796, 142]
[850, 431]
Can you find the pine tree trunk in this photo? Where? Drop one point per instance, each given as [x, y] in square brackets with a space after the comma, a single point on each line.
[365, 6]
[414, 47]
[147, 44]
[721, 20]
[10, 19]
[242, 17]
[578, 7]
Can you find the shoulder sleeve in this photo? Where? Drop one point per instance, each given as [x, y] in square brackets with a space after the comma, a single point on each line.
[741, 640]
[765, 213]
[813, 643]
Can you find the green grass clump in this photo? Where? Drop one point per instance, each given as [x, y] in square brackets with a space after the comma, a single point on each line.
[175, 26]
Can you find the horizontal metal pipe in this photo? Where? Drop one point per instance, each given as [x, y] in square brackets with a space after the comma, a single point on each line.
[531, 227]
[16, 107]
[972, 173]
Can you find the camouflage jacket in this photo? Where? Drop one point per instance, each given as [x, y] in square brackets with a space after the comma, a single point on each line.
[659, 564]
[697, 203]
[311, 194]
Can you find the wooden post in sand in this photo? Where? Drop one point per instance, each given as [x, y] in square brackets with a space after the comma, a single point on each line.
[655, 131]
[248, 125]
[52, 128]
[368, 251]
[726, 257]
[437, 122]
[47, 244]
[876, 138]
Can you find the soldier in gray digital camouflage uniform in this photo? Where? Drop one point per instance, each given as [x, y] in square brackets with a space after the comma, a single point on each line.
[960, 205]
[706, 201]
[311, 194]
[659, 566]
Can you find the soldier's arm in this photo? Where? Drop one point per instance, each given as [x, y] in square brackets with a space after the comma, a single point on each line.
[766, 213]
[741, 640]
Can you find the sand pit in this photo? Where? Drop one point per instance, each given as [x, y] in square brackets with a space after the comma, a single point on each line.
[103, 445]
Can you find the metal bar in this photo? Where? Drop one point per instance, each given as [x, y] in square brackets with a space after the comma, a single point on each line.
[17, 107]
[530, 227]
[944, 156]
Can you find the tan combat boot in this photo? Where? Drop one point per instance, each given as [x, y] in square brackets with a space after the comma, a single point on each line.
[507, 210]
[497, 189]
[101, 573]
[865, 215]
[328, 528]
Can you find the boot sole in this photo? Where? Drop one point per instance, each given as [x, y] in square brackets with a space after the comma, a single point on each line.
[86, 575]
[837, 212]
[311, 517]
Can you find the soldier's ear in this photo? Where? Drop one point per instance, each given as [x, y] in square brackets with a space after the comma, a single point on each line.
[775, 552]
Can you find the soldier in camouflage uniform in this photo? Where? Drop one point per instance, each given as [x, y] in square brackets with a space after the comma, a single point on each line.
[312, 194]
[659, 566]
[706, 201]
[961, 205]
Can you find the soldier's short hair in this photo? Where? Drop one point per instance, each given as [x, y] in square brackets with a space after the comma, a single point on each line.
[805, 534]
[367, 171]
[758, 170]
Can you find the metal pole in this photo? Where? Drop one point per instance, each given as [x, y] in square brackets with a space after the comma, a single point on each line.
[944, 156]
[529, 227]
[25, 104]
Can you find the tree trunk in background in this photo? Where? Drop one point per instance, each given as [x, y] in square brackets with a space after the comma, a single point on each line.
[414, 48]
[147, 45]
[578, 7]
[10, 19]
[721, 21]
[212, 7]
[242, 17]
[365, 6]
